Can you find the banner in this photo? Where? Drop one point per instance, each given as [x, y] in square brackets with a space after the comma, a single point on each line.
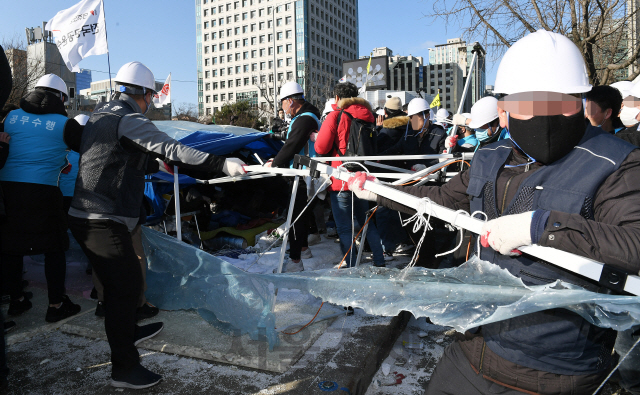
[79, 31]
[164, 96]
[436, 101]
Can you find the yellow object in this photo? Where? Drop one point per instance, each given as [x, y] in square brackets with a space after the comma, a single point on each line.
[248, 234]
[436, 101]
[369, 64]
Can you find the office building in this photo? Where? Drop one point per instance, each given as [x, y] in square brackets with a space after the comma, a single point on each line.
[243, 46]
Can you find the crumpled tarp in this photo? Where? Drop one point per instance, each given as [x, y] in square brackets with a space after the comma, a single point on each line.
[475, 293]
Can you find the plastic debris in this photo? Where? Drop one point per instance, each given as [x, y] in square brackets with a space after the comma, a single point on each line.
[386, 368]
[44, 361]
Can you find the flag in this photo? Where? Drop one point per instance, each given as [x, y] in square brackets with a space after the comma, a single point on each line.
[164, 96]
[79, 31]
[436, 101]
[369, 64]
[343, 79]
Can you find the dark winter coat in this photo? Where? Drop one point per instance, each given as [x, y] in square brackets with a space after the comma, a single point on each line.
[392, 130]
[429, 142]
[301, 129]
[630, 135]
[36, 222]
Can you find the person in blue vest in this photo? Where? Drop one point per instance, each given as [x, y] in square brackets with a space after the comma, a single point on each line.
[557, 183]
[484, 120]
[41, 136]
[305, 121]
[117, 144]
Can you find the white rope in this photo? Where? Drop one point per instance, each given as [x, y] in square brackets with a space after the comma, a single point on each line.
[617, 366]
[419, 222]
[459, 229]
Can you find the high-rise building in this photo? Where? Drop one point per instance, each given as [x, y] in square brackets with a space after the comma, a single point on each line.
[247, 49]
[633, 32]
[83, 79]
[457, 51]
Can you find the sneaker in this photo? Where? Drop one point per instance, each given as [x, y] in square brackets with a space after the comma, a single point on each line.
[404, 247]
[306, 254]
[147, 332]
[136, 378]
[332, 233]
[289, 266]
[314, 239]
[17, 307]
[388, 256]
[100, 312]
[145, 311]
[66, 309]
[9, 326]
[94, 294]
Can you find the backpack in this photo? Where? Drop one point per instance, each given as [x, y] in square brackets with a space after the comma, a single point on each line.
[362, 141]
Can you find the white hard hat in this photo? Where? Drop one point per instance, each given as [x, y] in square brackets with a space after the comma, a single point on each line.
[483, 111]
[466, 115]
[328, 106]
[542, 61]
[291, 88]
[635, 90]
[137, 74]
[442, 115]
[417, 105]
[624, 87]
[380, 112]
[82, 119]
[52, 81]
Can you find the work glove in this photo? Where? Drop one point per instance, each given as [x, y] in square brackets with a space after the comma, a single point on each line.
[356, 182]
[313, 137]
[418, 167]
[451, 142]
[67, 169]
[269, 163]
[233, 167]
[460, 120]
[507, 233]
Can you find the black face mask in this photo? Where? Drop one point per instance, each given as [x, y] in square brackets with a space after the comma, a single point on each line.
[548, 138]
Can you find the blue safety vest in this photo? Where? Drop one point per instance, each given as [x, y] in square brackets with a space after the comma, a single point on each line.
[309, 149]
[37, 152]
[556, 341]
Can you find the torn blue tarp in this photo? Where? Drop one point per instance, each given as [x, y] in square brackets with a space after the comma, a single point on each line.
[213, 139]
[476, 293]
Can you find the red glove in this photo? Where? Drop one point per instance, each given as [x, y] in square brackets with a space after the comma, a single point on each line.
[67, 169]
[451, 142]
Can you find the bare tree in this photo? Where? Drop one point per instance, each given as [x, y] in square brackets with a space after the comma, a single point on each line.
[185, 112]
[599, 28]
[318, 86]
[264, 83]
[25, 72]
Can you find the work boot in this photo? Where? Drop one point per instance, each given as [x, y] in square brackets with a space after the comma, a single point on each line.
[136, 378]
[66, 309]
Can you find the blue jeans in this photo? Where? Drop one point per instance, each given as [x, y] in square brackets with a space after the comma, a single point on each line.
[630, 367]
[341, 207]
[390, 228]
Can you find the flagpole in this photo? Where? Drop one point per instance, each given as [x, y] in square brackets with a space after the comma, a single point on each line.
[108, 57]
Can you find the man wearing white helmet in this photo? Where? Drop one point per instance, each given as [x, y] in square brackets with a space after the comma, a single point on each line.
[421, 137]
[117, 144]
[556, 183]
[305, 121]
[484, 120]
[630, 113]
[41, 136]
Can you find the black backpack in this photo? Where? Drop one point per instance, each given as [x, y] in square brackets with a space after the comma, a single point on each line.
[362, 141]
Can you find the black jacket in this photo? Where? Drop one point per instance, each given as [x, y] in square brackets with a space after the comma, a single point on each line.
[392, 130]
[300, 131]
[630, 135]
[429, 142]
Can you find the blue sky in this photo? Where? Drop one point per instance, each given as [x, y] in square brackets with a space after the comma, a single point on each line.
[161, 34]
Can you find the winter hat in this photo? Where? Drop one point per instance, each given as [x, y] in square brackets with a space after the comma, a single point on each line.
[393, 103]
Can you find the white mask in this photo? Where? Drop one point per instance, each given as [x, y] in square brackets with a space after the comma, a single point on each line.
[628, 115]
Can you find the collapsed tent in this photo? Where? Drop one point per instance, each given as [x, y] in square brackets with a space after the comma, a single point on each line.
[475, 293]
[213, 139]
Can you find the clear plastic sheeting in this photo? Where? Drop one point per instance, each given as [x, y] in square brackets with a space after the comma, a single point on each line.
[180, 129]
[181, 277]
[476, 293]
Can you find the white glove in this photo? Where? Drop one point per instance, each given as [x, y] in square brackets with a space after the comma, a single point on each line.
[269, 163]
[418, 167]
[356, 182]
[451, 142]
[506, 234]
[313, 137]
[460, 120]
[233, 167]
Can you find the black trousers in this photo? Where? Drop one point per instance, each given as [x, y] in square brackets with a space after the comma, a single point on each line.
[298, 235]
[55, 271]
[109, 247]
